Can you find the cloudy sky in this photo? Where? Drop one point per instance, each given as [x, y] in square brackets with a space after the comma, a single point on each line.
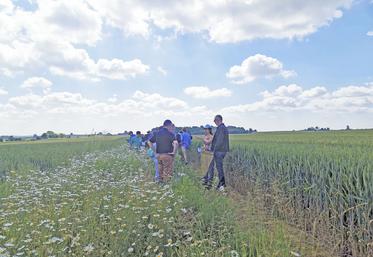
[92, 65]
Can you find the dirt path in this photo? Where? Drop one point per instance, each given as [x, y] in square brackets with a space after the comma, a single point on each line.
[252, 216]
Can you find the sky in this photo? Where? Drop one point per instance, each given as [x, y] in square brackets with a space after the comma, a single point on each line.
[88, 66]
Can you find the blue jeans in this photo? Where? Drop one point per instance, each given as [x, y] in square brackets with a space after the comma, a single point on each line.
[218, 162]
[155, 160]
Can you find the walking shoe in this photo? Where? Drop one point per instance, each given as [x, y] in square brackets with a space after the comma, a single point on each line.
[221, 189]
[208, 186]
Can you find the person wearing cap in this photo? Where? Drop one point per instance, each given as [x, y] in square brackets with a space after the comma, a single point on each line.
[219, 147]
[166, 147]
[186, 142]
[207, 139]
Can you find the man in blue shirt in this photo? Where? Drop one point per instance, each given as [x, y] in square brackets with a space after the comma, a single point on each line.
[219, 147]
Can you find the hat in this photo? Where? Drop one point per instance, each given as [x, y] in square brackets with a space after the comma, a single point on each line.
[207, 126]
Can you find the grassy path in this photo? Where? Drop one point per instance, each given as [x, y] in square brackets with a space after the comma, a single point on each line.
[106, 204]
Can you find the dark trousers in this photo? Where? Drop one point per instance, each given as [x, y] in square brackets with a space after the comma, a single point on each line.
[218, 162]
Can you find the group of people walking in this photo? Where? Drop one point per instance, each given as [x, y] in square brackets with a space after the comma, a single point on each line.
[163, 144]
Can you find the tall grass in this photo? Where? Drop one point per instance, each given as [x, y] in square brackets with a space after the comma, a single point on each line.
[103, 203]
[44, 155]
[21, 157]
[322, 182]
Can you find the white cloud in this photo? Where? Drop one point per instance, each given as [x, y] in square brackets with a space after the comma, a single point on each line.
[6, 6]
[55, 34]
[162, 70]
[3, 92]
[142, 103]
[370, 33]
[223, 21]
[120, 70]
[318, 99]
[71, 21]
[156, 101]
[72, 112]
[314, 92]
[132, 17]
[63, 59]
[206, 93]
[47, 38]
[113, 99]
[37, 82]
[66, 111]
[256, 67]
[354, 91]
[6, 72]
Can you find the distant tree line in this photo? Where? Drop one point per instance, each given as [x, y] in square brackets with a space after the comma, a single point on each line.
[10, 139]
[317, 129]
[193, 130]
[199, 130]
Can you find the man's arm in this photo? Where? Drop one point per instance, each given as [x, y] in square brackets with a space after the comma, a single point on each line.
[152, 140]
[175, 145]
[219, 139]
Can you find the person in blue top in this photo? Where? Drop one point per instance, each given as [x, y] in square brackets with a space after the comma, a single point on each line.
[137, 141]
[151, 153]
[130, 139]
[186, 142]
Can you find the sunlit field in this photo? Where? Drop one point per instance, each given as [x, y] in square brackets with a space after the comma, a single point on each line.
[95, 197]
[290, 194]
[320, 181]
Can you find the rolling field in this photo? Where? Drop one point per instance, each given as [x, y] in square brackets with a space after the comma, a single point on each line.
[291, 194]
[95, 197]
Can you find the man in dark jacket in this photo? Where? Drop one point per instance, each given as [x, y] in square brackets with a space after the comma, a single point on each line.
[220, 147]
[166, 147]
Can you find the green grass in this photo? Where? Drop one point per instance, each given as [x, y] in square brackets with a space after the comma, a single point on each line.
[21, 157]
[322, 182]
[103, 203]
[47, 154]
[355, 138]
[94, 197]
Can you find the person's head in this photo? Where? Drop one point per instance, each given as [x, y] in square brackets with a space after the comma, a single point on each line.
[168, 125]
[208, 130]
[138, 133]
[218, 120]
[173, 128]
[184, 129]
[130, 133]
[147, 145]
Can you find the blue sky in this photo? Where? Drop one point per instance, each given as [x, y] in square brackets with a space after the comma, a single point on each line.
[124, 65]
